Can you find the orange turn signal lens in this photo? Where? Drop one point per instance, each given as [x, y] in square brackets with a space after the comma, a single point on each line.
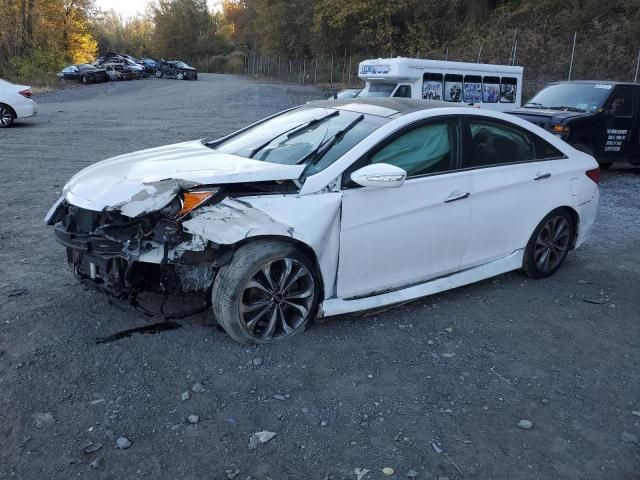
[191, 200]
[560, 129]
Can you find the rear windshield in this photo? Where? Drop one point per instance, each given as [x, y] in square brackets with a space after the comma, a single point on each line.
[295, 137]
[571, 96]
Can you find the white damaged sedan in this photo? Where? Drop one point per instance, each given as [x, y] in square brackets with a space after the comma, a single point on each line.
[330, 208]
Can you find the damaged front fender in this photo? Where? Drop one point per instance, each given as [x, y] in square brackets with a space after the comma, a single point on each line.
[236, 219]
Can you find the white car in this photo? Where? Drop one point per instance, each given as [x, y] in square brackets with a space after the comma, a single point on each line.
[330, 208]
[15, 102]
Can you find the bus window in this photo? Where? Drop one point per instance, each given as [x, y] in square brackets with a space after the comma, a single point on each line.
[508, 90]
[452, 88]
[490, 89]
[432, 86]
[403, 91]
[472, 89]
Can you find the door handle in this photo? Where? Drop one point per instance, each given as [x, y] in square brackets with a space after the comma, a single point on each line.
[456, 196]
[542, 176]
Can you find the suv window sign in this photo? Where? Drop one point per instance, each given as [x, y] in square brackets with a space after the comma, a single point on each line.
[374, 69]
[600, 85]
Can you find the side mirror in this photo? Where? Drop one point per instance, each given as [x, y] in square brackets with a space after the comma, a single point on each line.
[379, 175]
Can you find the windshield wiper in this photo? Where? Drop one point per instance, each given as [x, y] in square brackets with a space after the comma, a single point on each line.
[315, 155]
[292, 132]
[567, 109]
[534, 104]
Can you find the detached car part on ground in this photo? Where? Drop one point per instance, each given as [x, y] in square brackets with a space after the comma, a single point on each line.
[15, 103]
[330, 208]
[175, 69]
[83, 73]
[600, 118]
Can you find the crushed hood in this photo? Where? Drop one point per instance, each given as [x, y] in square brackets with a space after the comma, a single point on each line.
[146, 181]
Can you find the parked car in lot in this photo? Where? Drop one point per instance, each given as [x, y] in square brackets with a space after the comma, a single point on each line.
[118, 71]
[15, 102]
[600, 118]
[332, 207]
[346, 93]
[83, 73]
[149, 65]
[175, 69]
[112, 58]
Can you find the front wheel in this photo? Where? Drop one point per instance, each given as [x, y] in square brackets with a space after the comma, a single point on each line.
[158, 73]
[549, 245]
[84, 79]
[180, 76]
[269, 291]
[6, 116]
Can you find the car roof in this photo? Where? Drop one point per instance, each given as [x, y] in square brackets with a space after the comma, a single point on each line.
[381, 106]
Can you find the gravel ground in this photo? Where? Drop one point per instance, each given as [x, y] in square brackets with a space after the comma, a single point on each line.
[436, 387]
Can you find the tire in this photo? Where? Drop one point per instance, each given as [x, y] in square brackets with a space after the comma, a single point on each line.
[180, 76]
[252, 309]
[7, 116]
[158, 73]
[549, 244]
[85, 79]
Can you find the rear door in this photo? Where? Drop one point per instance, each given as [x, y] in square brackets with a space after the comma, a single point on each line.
[513, 172]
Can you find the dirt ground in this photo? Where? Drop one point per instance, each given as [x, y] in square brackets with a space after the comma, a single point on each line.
[435, 388]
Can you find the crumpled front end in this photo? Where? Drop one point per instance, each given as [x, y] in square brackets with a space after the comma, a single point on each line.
[124, 255]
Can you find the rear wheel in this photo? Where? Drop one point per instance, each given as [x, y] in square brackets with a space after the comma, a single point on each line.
[269, 291]
[549, 244]
[158, 73]
[6, 116]
[84, 79]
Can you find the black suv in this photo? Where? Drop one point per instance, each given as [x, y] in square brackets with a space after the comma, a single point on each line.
[600, 118]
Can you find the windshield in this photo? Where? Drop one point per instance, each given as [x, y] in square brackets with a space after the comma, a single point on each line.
[180, 64]
[571, 96]
[295, 136]
[377, 89]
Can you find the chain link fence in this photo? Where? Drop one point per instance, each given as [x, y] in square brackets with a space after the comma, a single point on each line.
[543, 63]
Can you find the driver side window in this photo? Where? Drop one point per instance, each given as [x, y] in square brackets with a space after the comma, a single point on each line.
[423, 150]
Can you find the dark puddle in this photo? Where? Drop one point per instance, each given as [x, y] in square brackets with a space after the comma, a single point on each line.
[146, 330]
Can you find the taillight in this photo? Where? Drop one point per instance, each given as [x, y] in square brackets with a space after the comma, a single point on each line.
[26, 93]
[594, 175]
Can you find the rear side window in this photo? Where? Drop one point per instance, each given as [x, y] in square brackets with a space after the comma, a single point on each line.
[432, 86]
[508, 90]
[490, 89]
[472, 89]
[422, 150]
[544, 150]
[452, 88]
[497, 143]
[494, 143]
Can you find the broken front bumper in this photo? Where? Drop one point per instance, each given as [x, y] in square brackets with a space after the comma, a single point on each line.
[124, 256]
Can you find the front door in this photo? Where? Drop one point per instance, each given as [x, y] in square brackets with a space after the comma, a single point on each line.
[621, 135]
[395, 237]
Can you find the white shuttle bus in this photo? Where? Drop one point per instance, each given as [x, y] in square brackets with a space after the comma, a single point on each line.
[497, 87]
